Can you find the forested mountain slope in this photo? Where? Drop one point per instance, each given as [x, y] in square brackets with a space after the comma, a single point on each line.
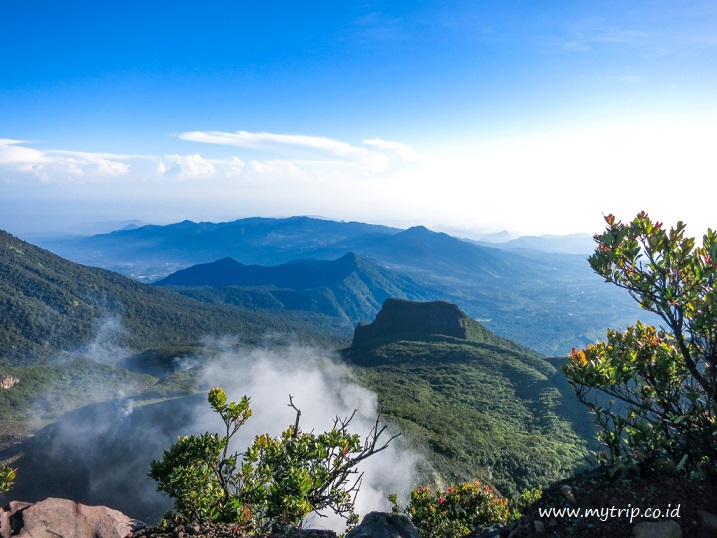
[50, 305]
[350, 289]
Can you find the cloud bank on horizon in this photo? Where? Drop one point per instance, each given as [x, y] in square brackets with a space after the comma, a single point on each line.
[536, 186]
[522, 116]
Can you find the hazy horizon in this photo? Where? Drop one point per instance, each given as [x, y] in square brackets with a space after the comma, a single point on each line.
[66, 229]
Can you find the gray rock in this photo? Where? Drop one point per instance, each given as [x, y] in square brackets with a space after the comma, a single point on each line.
[8, 381]
[657, 529]
[521, 531]
[567, 492]
[382, 525]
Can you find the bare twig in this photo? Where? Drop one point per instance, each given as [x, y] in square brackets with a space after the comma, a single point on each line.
[298, 415]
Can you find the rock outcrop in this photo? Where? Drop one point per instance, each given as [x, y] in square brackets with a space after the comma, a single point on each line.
[61, 517]
[382, 525]
[402, 317]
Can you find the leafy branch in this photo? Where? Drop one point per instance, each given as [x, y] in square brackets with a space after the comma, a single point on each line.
[666, 377]
[276, 482]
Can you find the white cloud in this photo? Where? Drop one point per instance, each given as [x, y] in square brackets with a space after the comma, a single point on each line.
[186, 167]
[403, 151]
[245, 139]
[234, 167]
[539, 182]
[12, 153]
[51, 165]
[102, 163]
[377, 156]
[277, 169]
[289, 158]
[19, 158]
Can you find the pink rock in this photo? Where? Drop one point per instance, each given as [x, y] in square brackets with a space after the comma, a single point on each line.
[61, 517]
[6, 514]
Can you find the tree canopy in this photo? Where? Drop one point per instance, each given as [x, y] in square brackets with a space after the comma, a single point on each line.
[654, 389]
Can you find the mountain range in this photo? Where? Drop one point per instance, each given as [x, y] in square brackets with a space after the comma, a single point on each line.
[559, 244]
[100, 356]
[350, 289]
[548, 301]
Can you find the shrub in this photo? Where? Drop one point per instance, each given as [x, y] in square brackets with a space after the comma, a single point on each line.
[276, 482]
[7, 477]
[654, 390]
[521, 503]
[453, 512]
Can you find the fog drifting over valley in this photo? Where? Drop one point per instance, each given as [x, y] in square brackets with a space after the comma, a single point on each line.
[322, 389]
[101, 454]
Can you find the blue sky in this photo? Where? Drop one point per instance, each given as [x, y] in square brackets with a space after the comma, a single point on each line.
[532, 116]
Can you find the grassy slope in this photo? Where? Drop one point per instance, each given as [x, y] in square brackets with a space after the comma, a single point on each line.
[476, 405]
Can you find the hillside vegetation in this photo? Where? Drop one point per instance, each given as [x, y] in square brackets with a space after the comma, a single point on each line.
[50, 305]
[46, 391]
[485, 407]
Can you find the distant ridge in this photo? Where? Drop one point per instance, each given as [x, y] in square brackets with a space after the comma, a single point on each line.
[349, 288]
[421, 253]
[562, 244]
[301, 274]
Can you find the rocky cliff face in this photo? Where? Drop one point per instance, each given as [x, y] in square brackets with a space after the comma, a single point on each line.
[402, 317]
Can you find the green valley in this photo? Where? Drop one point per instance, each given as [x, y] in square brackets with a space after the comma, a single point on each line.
[98, 352]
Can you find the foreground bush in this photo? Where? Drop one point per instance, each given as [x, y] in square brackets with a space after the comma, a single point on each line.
[275, 483]
[654, 390]
[454, 512]
[7, 477]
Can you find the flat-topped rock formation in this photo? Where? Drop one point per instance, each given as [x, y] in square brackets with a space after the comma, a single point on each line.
[401, 318]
